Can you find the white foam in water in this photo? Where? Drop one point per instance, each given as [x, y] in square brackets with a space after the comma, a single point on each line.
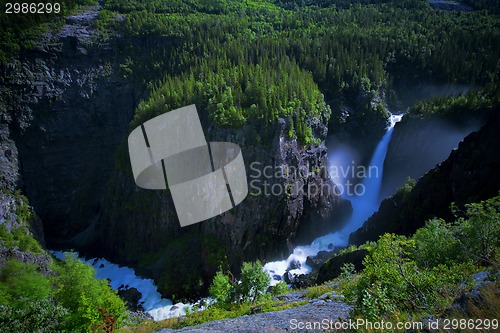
[394, 118]
[363, 207]
[124, 278]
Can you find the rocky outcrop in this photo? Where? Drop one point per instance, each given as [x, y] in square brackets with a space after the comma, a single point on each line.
[131, 296]
[9, 167]
[469, 174]
[41, 261]
[18, 221]
[320, 258]
[483, 291]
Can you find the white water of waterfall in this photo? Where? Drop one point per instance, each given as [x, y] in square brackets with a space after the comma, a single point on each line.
[363, 206]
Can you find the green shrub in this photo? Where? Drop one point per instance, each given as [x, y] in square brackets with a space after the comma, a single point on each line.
[17, 233]
[347, 271]
[19, 237]
[392, 282]
[479, 232]
[435, 244]
[21, 282]
[25, 303]
[380, 288]
[251, 288]
[405, 189]
[254, 282]
[376, 301]
[92, 303]
[220, 289]
[280, 288]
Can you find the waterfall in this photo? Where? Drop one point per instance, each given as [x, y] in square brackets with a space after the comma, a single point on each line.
[363, 206]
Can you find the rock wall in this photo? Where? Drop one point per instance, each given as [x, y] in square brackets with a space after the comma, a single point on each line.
[65, 108]
[359, 120]
[18, 219]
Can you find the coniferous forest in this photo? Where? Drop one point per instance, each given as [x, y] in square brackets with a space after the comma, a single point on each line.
[283, 79]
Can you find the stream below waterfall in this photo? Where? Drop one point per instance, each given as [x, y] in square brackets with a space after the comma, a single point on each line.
[363, 206]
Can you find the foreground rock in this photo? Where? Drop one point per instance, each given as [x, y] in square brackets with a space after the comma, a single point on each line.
[470, 301]
[131, 296]
[319, 259]
[327, 307]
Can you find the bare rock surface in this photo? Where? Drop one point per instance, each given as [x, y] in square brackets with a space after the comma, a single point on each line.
[317, 311]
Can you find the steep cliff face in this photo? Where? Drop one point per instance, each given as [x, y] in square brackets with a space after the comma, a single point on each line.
[140, 227]
[419, 143]
[65, 108]
[469, 174]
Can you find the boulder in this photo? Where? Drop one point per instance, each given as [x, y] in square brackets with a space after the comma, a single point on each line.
[467, 302]
[288, 277]
[319, 259]
[313, 262]
[302, 281]
[131, 297]
[294, 264]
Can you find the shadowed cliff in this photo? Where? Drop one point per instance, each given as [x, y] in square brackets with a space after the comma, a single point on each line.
[469, 174]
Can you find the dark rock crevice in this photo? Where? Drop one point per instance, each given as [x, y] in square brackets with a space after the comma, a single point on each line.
[419, 143]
